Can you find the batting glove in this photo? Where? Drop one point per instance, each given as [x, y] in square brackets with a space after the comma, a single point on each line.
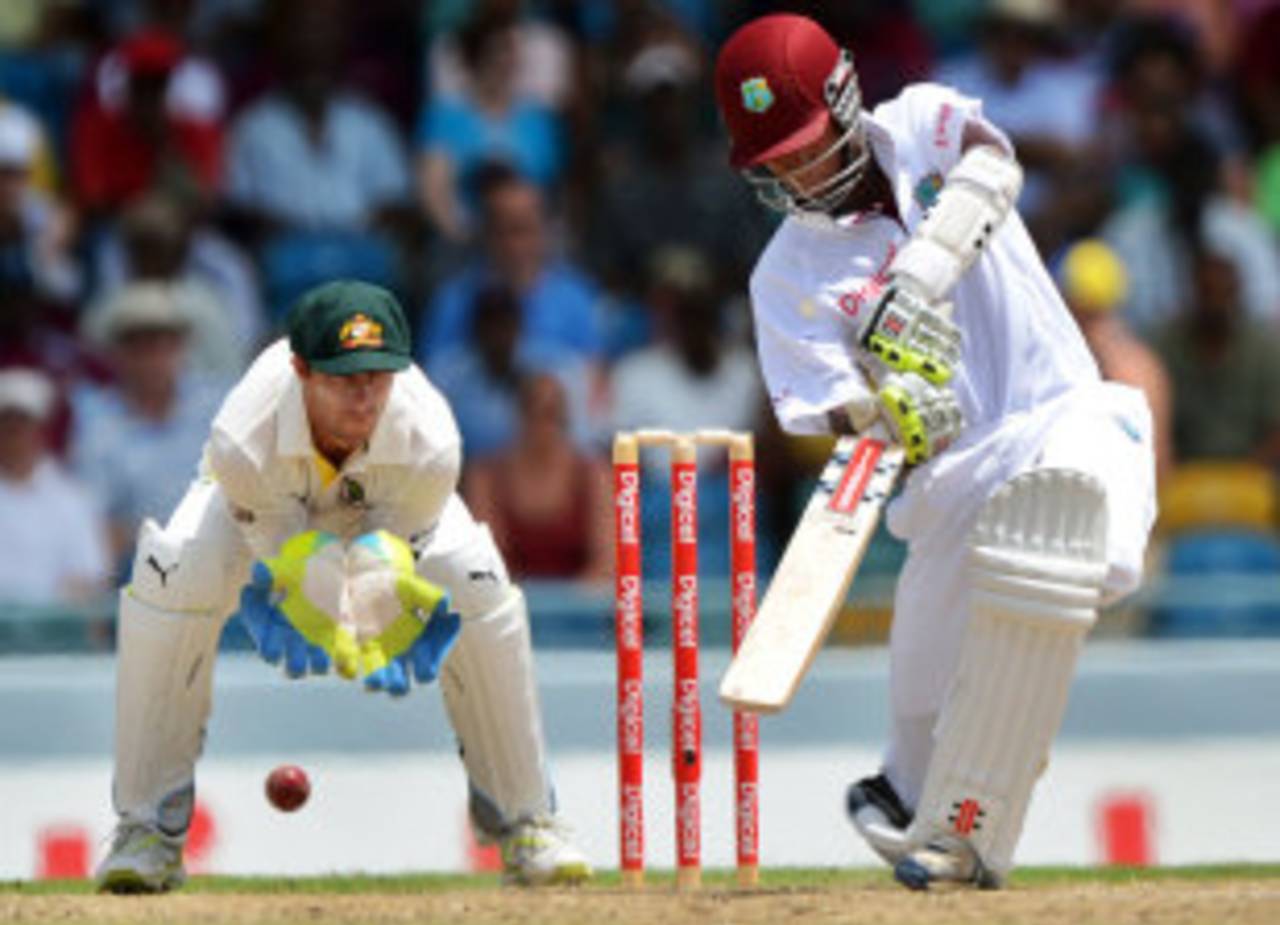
[907, 334]
[925, 418]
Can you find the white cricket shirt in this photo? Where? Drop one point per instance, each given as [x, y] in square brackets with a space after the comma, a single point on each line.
[260, 452]
[1022, 350]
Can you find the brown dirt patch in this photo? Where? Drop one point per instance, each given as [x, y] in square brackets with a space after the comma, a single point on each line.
[1227, 902]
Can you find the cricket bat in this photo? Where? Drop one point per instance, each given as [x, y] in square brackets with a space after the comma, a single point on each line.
[812, 580]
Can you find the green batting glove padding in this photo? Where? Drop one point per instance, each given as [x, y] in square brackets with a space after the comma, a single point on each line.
[898, 358]
[907, 421]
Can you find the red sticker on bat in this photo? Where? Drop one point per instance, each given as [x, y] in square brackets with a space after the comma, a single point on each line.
[857, 474]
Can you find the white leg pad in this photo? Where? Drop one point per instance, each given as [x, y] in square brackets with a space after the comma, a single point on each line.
[491, 694]
[164, 683]
[1038, 561]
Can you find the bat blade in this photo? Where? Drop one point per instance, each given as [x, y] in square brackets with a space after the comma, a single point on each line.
[813, 578]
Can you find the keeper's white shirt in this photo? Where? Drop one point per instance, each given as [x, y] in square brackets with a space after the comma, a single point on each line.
[261, 454]
[1024, 359]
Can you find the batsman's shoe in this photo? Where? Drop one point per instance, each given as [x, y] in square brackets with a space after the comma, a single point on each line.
[947, 860]
[538, 852]
[141, 860]
[878, 813]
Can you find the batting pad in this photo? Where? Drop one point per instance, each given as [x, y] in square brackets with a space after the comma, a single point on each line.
[491, 695]
[1038, 560]
[164, 685]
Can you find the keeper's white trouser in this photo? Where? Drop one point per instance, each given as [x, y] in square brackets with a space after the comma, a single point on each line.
[186, 582]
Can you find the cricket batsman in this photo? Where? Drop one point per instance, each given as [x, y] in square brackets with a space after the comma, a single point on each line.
[325, 513]
[903, 288]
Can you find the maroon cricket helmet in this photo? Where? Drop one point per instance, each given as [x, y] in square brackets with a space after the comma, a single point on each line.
[772, 86]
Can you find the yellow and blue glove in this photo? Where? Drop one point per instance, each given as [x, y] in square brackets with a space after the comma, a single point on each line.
[403, 622]
[280, 621]
[361, 608]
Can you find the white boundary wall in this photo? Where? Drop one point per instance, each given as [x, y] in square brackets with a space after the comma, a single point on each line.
[392, 798]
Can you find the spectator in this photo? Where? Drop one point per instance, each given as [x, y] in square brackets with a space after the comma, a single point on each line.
[1259, 82]
[888, 43]
[35, 333]
[53, 548]
[558, 303]
[1183, 201]
[1159, 81]
[196, 91]
[694, 376]
[1225, 369]
[547, 503]
[544, 58]
[310, 155]
[1046, 105]
[119, 153]
[41, 166]
[29, 218]
[136, 443]
[1093, 283]
[159, 240]
[482, 381]
[704, 204]
[491, 122]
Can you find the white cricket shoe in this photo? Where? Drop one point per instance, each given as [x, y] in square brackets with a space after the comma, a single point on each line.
[537, 852]
[141, 860]
[944, 859]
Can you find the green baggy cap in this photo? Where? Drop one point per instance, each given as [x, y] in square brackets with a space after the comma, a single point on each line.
[347, 326]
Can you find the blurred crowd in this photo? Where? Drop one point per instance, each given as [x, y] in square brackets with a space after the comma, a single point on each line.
[544, 184]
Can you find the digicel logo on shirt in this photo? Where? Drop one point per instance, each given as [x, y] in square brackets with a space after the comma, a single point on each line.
[360, 331]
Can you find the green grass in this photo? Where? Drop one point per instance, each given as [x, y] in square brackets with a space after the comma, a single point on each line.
[775, 879]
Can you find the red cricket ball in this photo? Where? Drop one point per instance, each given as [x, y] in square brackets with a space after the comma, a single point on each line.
[288, 787]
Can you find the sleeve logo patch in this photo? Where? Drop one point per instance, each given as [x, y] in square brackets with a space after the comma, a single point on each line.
[757, 97]
[360, 331]
[927, 190]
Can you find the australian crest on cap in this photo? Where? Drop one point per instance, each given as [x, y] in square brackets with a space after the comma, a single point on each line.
[756, 94]
[360, 331]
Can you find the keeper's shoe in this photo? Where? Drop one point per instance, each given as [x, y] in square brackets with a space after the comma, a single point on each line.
[950, 860]
[141, 860]
[879, 815]
[537, 852]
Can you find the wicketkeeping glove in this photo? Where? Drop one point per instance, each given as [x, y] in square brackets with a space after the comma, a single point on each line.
[402, 621]
[907, 334]
[281, 622]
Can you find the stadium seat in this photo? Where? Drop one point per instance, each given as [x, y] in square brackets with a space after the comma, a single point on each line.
[1219, 582]
[1218, 494]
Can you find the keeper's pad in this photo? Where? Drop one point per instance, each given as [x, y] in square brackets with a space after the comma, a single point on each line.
[979, 192]
[1038, 560]
[164, 685]
[492, 698]
[183, 584]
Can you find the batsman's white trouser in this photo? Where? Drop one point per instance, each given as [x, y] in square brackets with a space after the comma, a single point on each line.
[186, 581]
[1103, 431]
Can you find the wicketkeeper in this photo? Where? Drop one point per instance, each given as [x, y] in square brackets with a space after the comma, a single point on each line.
[1032, 496]
[325, 512]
